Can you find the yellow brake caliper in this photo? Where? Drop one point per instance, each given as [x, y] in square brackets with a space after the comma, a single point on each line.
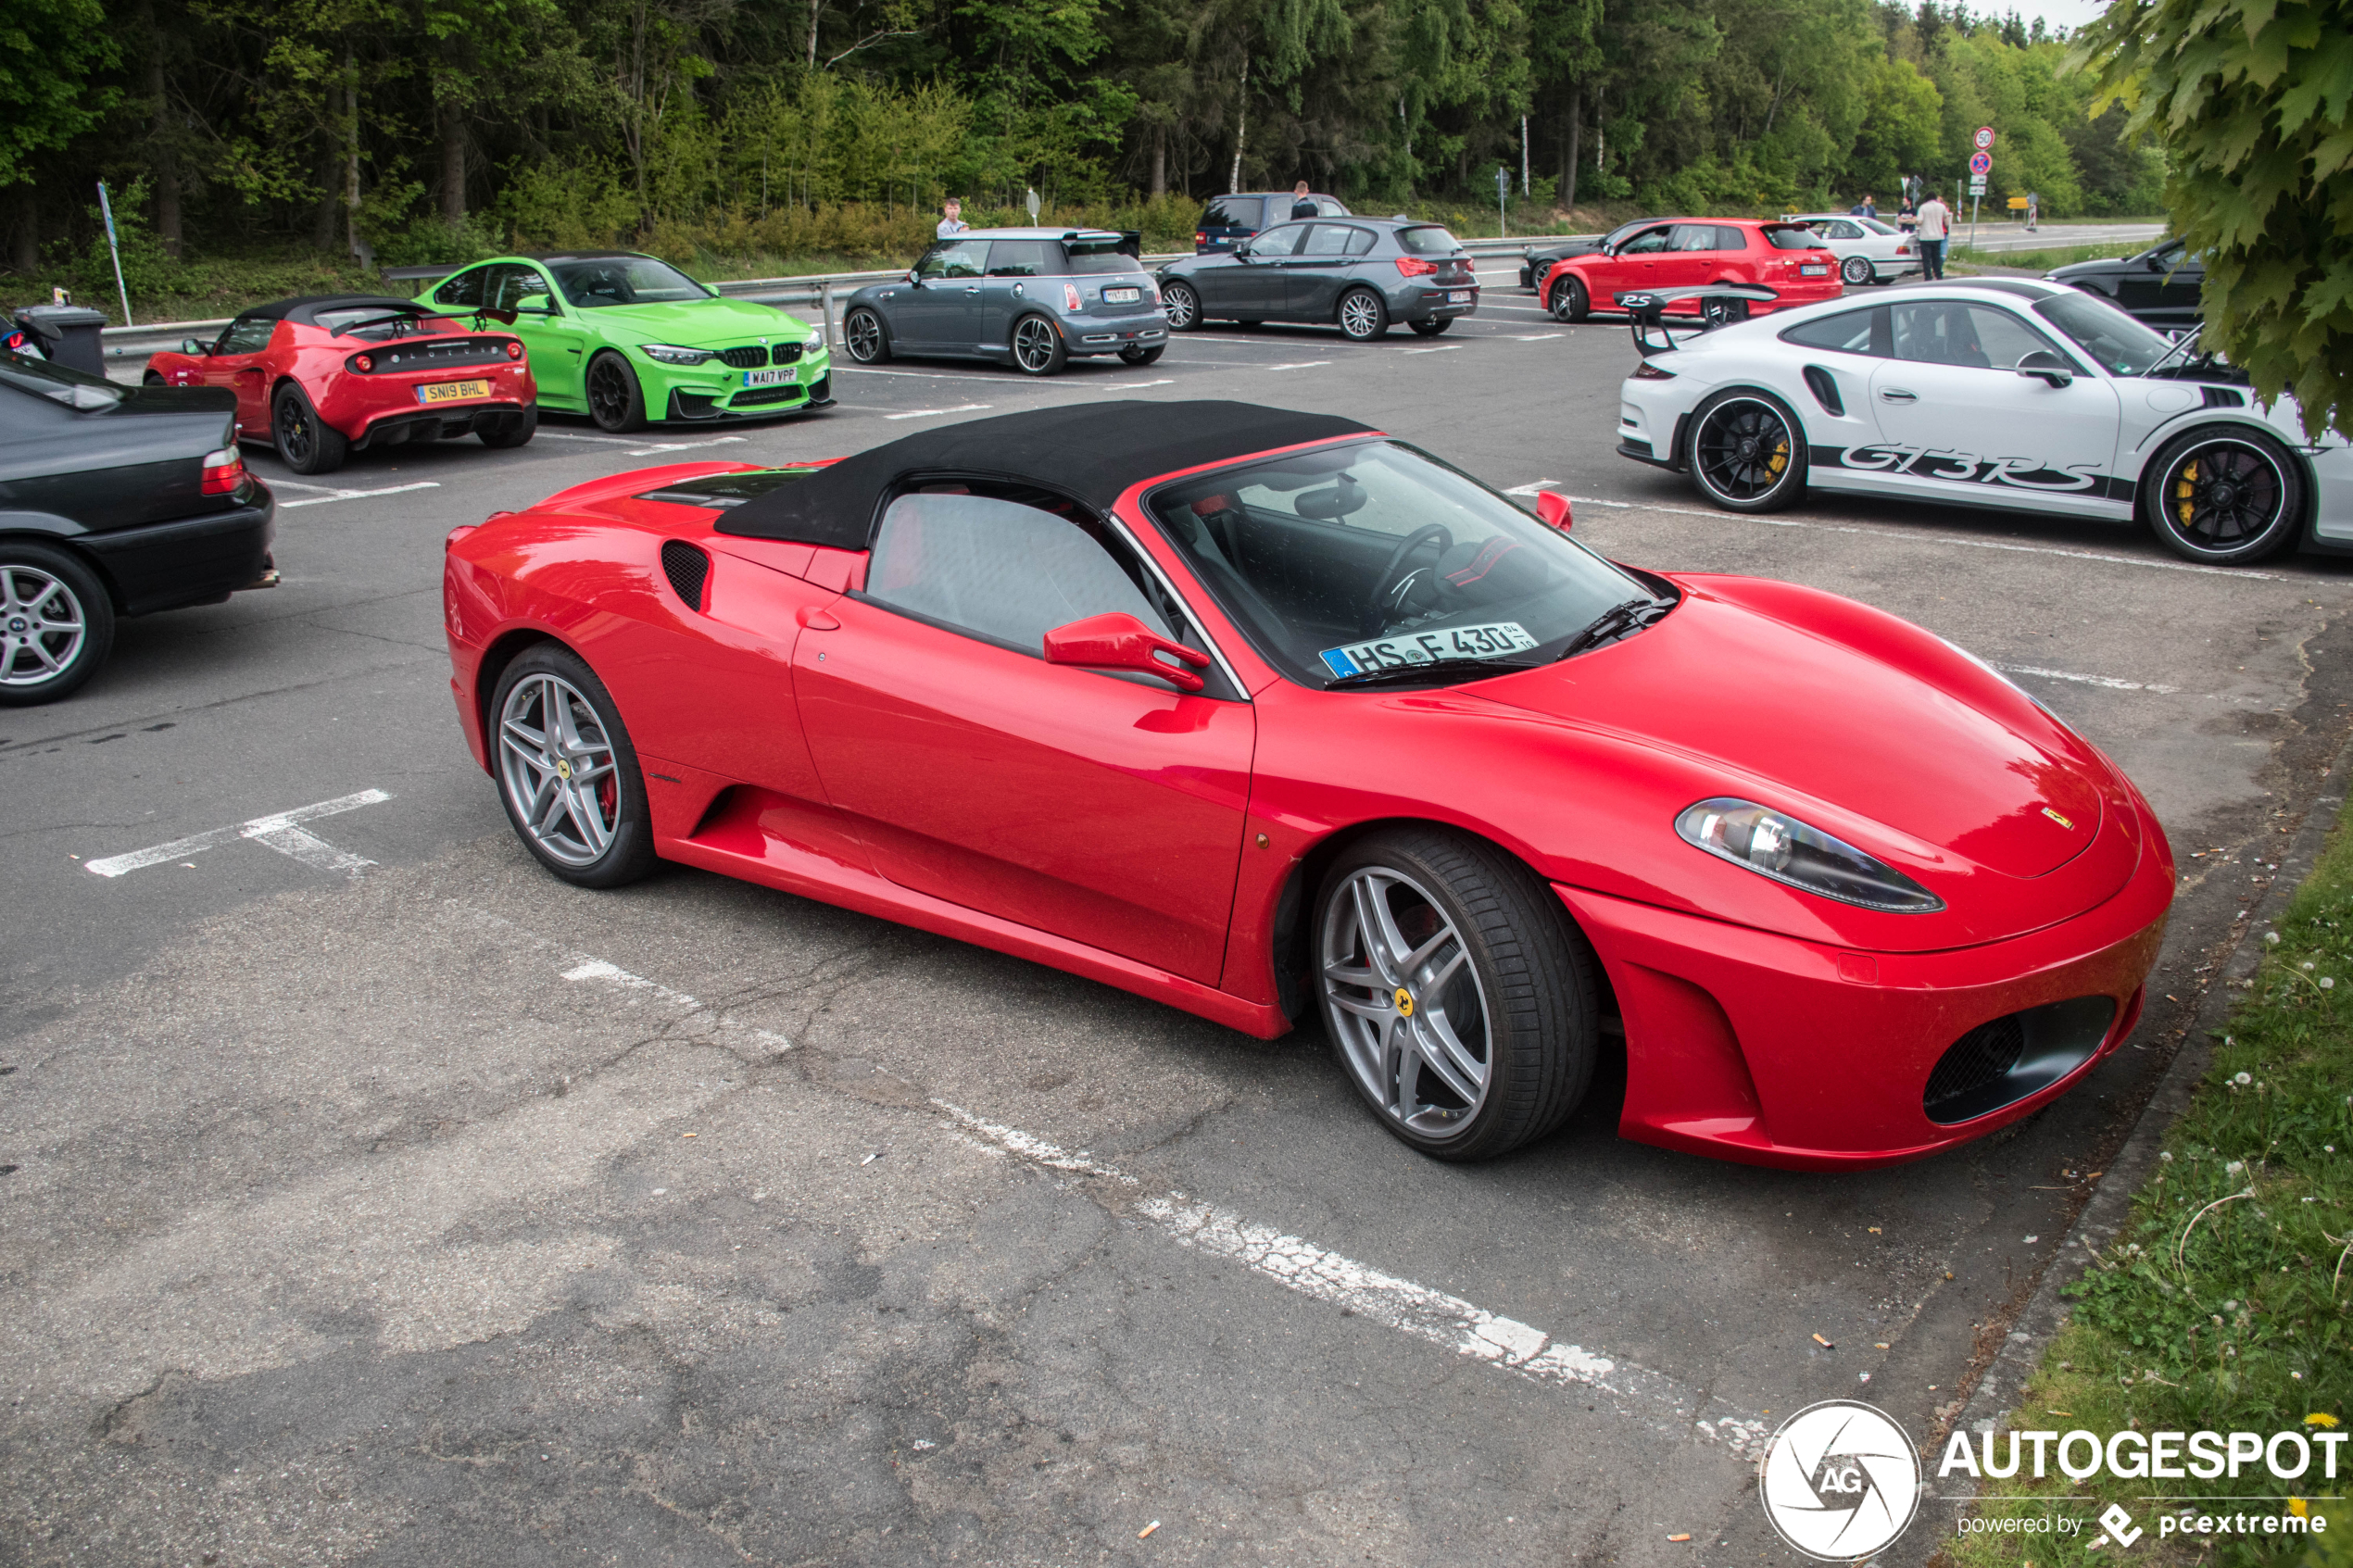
[1779, 458]
[2184, 489]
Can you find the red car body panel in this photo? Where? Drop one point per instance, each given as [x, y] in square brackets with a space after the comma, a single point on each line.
[814, 742]
[359, 404]
[1605, 277]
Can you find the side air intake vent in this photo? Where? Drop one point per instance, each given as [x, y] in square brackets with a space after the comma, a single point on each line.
[2224, 397]
[1824, 386]
[2005, 1061]
[687, 569]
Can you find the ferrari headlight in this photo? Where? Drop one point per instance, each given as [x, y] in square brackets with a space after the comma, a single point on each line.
[670, 355]
[1787, 850]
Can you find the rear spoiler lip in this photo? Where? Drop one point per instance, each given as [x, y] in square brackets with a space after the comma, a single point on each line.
[1647, 308]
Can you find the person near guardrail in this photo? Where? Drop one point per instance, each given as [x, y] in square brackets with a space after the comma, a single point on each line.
[951, 218]
[1935, 229]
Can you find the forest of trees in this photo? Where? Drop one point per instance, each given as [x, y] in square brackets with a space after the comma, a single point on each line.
[429, 129]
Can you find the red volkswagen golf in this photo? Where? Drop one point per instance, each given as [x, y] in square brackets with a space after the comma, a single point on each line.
[1266, 715]
[323, 377]
[1676, 253]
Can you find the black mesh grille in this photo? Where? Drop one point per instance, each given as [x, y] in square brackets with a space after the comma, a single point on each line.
[763, 394]
[1975, 1060]
[786, 354]
[685, 567]
[750, 358]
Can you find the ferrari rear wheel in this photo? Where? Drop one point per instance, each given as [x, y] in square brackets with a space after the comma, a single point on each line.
[2224, 497]
[1181, 306]
[1748, 452]
[1038, 349]
[863, 333]
[515, 429]
[57, 623]
[1462, 1003]
[307, 443]
[567, 773]
[1856, 270]
[1569, 302]
[615, 401]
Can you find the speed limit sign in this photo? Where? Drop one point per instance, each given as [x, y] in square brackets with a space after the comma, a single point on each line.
[1984, 137]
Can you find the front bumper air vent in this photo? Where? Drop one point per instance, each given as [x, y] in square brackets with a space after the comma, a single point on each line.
[2001, 1061]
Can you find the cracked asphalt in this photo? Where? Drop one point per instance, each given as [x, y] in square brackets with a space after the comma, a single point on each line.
[448, 1215]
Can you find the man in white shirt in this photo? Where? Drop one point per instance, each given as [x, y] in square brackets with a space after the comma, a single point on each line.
[951, 220]
[1936, 227]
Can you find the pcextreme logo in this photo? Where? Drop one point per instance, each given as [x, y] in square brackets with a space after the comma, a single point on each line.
[1840, 1480]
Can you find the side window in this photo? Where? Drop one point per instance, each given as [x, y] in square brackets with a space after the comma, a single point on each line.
[1360, 242]
[1024, 258]
[1223, 215]
[1729, 238]
[1332, 239]
[515, 287]
[1327, 207]
[248, 334]
[1650, 242]
[1278, 241]
[1002, 571]
[465, 289]
[1693, 236]
[2005, 339]
[954, 259]
[1845, 232]
[1977, 335]
[1849, 331]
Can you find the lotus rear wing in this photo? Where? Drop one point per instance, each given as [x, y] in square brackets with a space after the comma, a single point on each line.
[1722, 303]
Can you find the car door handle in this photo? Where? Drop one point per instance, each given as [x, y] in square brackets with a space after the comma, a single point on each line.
[1897, 394]
[974, 288]
[817, 620]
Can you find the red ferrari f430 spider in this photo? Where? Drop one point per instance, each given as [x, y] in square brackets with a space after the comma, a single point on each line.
[321, 378]
[1266, 715]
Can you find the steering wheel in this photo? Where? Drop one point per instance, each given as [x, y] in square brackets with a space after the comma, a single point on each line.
[1376, 614]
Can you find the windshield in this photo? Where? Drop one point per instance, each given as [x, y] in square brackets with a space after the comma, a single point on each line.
[75, 389]
[2120, 345]
[1373, 557]
[624, 280]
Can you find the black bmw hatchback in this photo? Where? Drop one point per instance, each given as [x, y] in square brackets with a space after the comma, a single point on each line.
[114, 501]
[1359, 274]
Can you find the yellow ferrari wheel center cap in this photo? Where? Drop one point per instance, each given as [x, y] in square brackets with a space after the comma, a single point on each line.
[1405, 1002]
[563, 769]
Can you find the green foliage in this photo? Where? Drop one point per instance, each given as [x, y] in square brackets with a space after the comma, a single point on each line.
[2252, 101]
[49, 50]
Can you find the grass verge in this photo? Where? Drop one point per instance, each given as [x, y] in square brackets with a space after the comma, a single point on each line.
[2226, 1303]
[1966, 261]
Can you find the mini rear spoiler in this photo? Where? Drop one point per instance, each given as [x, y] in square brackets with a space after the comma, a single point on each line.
[1727, 303]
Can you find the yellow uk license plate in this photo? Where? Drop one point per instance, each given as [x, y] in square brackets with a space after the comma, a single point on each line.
[452, 391]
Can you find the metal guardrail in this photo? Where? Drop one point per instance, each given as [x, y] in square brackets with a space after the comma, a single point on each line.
[818, 295]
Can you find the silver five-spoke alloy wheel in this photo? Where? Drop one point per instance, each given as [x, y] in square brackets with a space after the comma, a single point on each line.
[1403, 1000]
[43, 626]
[557, 765]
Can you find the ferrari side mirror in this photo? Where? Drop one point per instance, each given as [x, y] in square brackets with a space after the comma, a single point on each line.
[1119, 641]
[2046, 367]
[1552, 510]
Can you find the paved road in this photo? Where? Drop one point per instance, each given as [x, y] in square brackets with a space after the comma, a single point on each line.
[2005, 233]
[442, 1213]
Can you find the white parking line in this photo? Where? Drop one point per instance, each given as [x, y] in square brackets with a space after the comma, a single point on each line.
[1416, 1310]
[350, 495]
[1537, 337]
[636, 445]
[870, 370]
[683, 445]
[1442, 348]
[2110, 682]
[927, 413]
[277, 832]
[1299, 365]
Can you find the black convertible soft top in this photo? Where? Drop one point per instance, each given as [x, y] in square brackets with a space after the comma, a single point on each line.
[1091, 452]
[305, 309]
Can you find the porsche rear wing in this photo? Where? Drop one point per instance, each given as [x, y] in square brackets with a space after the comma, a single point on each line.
[1648, 308]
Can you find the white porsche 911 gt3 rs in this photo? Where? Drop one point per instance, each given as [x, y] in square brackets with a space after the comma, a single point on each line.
[2011, 393]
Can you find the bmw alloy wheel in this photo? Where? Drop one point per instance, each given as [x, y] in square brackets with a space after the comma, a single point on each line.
[1362, 315]
[1181, 306]
[1404, 1001]
[43, 626]
[1856, 270]
[557, 764]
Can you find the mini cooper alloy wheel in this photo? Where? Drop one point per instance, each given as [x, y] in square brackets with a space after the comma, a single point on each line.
[557, 764]
[1037, 348]
[863, 335]
[1404, 1000]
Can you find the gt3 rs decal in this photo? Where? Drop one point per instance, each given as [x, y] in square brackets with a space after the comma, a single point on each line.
[1967, 468]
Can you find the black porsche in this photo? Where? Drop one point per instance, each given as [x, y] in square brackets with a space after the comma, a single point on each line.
[2160, 285]
[114, 501]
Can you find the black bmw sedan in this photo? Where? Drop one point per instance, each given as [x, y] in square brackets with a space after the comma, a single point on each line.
[1359, 274]
[114, 501]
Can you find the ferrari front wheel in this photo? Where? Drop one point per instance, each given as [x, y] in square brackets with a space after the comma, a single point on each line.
[567, 773]
[2224, 497]
[307, 443]
[1461, 1001]
[1748, 452]
[615, 401]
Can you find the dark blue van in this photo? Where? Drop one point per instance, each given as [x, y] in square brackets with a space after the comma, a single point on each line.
[1228, 219]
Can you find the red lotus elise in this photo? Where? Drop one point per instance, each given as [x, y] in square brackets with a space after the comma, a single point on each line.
[327, 376]
[1261, 713]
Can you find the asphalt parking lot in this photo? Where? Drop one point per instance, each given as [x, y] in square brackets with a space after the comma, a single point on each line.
[371, 1196]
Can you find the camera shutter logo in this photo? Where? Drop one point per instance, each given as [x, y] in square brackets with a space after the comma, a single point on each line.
[1841, 1480]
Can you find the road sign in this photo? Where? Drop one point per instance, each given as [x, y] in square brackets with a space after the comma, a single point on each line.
[1981, 165]
[1984, 137]
[1977, 187]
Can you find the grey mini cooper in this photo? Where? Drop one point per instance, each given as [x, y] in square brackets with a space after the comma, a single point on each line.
[1359, 274]
[1034, 297]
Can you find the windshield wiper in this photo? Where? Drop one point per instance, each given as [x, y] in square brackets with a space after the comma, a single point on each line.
[1415, 672]
[1615, 621]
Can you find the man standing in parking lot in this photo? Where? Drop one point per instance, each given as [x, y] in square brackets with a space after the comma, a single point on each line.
[1867, 208]
[1936, 227]
[1301, 204]
[951, 218]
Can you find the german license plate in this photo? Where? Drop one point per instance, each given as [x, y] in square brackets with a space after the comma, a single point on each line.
[452, 391]
[1458, 296]
[1815, 270]
[1485, 641]
[768, 378]
[1123, 296]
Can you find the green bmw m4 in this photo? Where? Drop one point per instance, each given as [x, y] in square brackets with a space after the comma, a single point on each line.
[627, 339]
